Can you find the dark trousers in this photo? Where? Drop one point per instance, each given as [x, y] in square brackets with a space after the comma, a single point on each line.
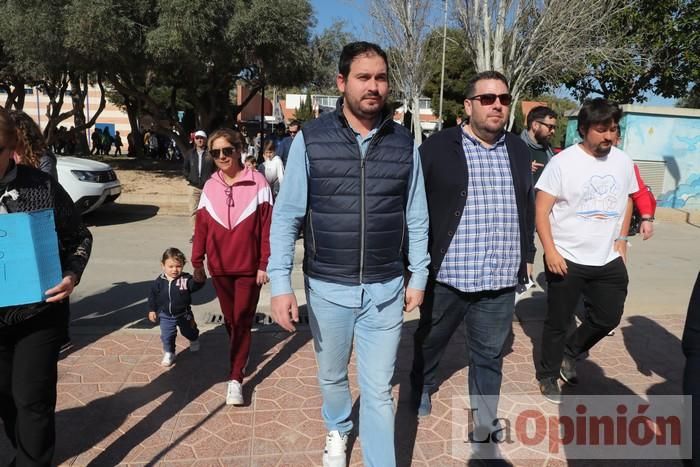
[238, 297]
[28, 375]
[168, 329]
[488, 316]
[691, 375]
[604, 287]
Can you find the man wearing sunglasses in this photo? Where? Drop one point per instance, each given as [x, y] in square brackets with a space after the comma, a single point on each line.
[541, 124]
[480, 199]
[354, 181]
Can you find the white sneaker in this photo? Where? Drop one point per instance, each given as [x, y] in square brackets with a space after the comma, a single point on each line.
[334, 454]
[234, 393]
[194, 346]
[168, 358]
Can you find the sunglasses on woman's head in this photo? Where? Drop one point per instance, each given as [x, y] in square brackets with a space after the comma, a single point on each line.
[226, 152]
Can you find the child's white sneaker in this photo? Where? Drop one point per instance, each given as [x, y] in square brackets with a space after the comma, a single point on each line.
[194, 346]
[234, 393]
[168, 358]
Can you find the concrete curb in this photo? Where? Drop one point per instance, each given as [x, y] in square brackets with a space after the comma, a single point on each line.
[678, 216]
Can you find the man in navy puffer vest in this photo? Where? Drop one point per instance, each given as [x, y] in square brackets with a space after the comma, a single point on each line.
[354, 181]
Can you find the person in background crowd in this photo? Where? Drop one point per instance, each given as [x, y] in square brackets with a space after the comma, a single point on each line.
[272, 167]
[106, 141]
[197, 168]
[117, 144]
[95, 138]
[541, 125]
[286, 143]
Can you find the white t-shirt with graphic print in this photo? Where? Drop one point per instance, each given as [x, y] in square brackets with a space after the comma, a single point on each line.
[591, 198]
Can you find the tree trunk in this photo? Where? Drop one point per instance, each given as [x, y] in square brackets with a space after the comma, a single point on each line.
[78, 101]
[136, 146]
[15, 96]
[417, 130]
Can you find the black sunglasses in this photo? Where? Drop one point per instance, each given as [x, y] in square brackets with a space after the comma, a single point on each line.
[226, 152]
[488, 99]
[548, 125]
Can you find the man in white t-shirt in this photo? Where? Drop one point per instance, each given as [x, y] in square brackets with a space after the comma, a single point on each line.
[583, 211]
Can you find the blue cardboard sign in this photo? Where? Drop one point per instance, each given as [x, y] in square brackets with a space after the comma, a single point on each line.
[29, 261]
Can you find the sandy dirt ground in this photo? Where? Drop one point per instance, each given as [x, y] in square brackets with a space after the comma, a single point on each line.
[145, 176]
[144, 182]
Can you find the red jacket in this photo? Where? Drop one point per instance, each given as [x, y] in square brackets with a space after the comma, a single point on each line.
[232, 227]
[643, 199]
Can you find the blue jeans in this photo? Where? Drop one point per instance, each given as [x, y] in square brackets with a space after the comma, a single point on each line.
[377, 332]
[488, 316]
[168, 329]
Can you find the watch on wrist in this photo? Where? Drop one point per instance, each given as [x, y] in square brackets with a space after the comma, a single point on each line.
[648, 219]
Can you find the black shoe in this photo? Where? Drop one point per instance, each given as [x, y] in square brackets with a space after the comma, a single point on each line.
[568, 370]
[549, 387]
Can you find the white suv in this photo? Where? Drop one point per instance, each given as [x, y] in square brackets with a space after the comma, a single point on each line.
[89, 183]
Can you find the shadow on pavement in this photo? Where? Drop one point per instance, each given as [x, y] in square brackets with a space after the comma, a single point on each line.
[122, 304]
[161, 400]
[117, 214]
[654, 351]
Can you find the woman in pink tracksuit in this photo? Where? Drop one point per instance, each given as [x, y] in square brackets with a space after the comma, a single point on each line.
[232, 231]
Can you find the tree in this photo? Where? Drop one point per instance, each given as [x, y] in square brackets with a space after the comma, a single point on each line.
[325, 50]
[688, 41]
[458, 69]
[536, 44]
[305, 111]
[692, 99]
[650, 30]
[403, 26]
[35, 41]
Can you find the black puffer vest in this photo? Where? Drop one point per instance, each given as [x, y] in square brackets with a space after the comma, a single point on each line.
[356, 224]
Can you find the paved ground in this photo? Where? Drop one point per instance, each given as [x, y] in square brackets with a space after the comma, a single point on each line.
[116, 404]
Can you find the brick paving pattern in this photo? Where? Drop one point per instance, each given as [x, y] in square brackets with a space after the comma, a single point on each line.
[117, 405]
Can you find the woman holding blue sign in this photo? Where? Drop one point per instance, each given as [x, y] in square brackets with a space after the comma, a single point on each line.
[31, 332]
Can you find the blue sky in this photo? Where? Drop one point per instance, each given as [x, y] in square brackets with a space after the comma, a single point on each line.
[350, 11]
[354, 13]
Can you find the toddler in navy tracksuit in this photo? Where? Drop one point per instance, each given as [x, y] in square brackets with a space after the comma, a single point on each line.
[170, 301]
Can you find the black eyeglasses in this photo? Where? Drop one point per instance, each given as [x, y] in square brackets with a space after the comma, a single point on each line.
[489, 99]
[226, 152]
[548, 125]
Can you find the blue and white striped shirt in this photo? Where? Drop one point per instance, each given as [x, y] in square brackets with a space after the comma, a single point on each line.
[485, 250]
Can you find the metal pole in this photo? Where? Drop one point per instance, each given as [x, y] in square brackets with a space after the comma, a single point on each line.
[442, 73]
[262, 121]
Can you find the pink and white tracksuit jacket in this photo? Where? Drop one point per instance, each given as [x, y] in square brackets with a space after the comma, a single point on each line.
[232, 227]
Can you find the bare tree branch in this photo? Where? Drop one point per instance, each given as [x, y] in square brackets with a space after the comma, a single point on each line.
[540, 41]
[403, 26]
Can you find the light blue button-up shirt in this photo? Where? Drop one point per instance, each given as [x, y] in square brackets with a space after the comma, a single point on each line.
[288, 214]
